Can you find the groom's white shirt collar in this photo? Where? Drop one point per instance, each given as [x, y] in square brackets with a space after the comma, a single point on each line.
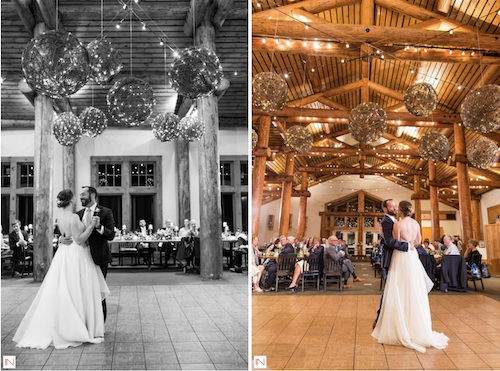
[92, 208]
[391, 217]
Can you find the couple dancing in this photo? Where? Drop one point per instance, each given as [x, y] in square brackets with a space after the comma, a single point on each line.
[70, 307]
[404, 317]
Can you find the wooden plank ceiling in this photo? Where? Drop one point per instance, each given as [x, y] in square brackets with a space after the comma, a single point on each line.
[163, 18]
[335, 63]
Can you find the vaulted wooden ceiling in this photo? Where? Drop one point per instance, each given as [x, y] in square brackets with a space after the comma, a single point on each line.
[336, 54]
[167, 19]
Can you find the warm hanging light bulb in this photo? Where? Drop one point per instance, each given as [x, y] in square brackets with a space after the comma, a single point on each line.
[451, 51]
[425, 50]
[451, 32]
[263, 41]
[472, 53]
[346, 45]
[117, 26]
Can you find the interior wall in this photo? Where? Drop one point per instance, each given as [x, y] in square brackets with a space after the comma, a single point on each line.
[129, 142]
[488, 199]
[341, 187]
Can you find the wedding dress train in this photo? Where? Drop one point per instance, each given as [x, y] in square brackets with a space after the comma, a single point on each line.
[67, 309]
[405, 316]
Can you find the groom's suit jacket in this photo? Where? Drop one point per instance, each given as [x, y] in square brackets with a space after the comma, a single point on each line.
[389, 243]
[99, 247]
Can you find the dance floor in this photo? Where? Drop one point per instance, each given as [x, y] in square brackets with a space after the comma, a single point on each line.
[332, 332]
[167, 326]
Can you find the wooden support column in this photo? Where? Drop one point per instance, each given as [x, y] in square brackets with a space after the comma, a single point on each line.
[43, 200]
[258, 173]
[463, 184]
[361, 220]
[286, 196]
[182, 169]
[209, 177]
[367, 19]
[476, 221]
[416, 190]
[433, 191]
[362, 159]
[68, 159]
[301, 228]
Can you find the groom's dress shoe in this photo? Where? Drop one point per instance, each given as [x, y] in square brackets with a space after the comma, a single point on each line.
[358, 280]
[347, 286]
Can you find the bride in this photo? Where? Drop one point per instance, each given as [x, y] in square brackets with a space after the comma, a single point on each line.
[67, 309]
[405, 316]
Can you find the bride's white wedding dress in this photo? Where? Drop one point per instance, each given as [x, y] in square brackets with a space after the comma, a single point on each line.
[405, 315]
[67, 309]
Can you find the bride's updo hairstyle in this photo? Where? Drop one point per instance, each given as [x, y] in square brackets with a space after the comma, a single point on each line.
[64, 198]
[406, 208]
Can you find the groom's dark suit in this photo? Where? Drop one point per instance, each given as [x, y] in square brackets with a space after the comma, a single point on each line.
[388, 244]
[99, 247]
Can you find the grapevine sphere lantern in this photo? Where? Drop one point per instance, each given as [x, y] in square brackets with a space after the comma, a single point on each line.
[131, 101]
[481, 109]
[421, 99]
[434, 146]
[93, 121]
[367, 122]
[105, 60]
[299, 139]
[255, 139]
[166, 127]
[55, 64]
[191, 128]
[67, 129]
[269, 91]
[482, 153]
[196, 73]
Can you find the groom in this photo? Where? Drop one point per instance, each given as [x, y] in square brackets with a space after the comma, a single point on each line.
[103, 232]
[388, 242]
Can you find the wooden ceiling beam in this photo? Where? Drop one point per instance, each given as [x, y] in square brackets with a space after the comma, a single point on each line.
[489, 75]
[24, 9]
[333, 136]
[386, 91]
[197, 9]
[330, 103]
[312, 73]
[312, 6]
[376, 34]
[223, 10]
[366, 171]
[327, 93]
[48, 11]
[429, 24]
[315, 115]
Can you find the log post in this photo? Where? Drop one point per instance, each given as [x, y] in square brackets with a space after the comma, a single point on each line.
[361, 220]
[416, 190]
[286, 196]
[476, 221]
[209, 177]
[182, 169]
[258, 173]
[464, 199]
[43, 203]
[68, 160]
[301, 228]
[433, 191]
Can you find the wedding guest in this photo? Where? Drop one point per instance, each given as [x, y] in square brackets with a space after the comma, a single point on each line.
[428, 247]
[193, 228]
[18, 242]
[299, 266]
[470, 252]
[347, 267]
[144, 247]
[438, 246]
[257, 268]
[185, 230]
[451, 248]
[421, 250]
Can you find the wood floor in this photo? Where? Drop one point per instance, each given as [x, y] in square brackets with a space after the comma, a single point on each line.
[329, 332]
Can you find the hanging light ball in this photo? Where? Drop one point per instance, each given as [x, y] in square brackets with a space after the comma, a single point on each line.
[482, 153]
[269, 91]
[367, 122]
[481, 109]
[421, 99]
[55, 64]
[255, 139]
[191, 128]
[93, 121]
[166, 127]
[298, 139]
[105, 60]
[67, 129]
[434, 146]
[131, 101]
[196, 73]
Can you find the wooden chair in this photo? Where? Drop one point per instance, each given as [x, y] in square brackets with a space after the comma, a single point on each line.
[311, 268]
[22, 262]
[332, 271]
[476, 258]
[286, 265]
[127, 250]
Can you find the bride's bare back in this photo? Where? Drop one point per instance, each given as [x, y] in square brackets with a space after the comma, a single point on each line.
[407, 229]
[70, 226]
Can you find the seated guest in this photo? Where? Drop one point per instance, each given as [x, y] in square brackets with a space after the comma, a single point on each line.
[5, 248]
[280, 246]
[421, 250]
[193, 228]
[299, 266]
[428, 247]
[18, 242]
[257, 268]
[185, 231]
[348, 268]
[451, 248]
[144, 246]
[438, 246]
[471, 252]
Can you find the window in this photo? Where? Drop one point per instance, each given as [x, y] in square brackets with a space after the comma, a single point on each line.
[339, 222]
[26, 175]
[110, 175]
[5, 175]
[234, 192]
[352, 222]
[369, 222]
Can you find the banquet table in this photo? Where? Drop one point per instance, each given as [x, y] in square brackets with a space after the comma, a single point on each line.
[231, 241]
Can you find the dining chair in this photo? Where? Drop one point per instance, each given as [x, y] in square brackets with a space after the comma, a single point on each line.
[476, 258]
[332, 271]
[311, 268]
[286, 265]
